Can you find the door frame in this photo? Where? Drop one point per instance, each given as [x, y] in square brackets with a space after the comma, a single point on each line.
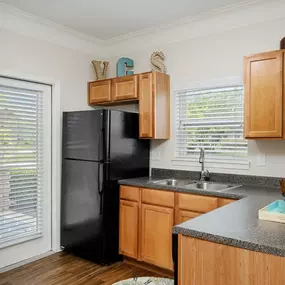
[56, 141]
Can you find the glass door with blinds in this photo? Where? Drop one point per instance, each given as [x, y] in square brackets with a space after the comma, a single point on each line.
[25, 170]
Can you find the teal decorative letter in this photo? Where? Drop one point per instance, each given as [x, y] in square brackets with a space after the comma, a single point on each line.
[122, 65]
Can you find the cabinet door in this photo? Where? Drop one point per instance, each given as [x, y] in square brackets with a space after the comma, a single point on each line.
[100, 91]
[223, 202]
[156, 235]
[125, 88]
[129, 228]
[146, 105]
[263, 95]
[184, 216]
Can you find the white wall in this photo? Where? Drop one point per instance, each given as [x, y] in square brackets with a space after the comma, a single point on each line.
[33, 51]
[34, 59]
[207, 59]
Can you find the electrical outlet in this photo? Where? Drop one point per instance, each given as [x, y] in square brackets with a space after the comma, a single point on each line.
[261, 159]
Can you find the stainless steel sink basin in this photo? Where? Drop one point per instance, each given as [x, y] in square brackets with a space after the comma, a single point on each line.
[173, 182]
[196, 185]
[212, 186]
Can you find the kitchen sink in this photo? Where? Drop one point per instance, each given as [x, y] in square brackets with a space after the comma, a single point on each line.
[197, 185]
[212, 186]
[173, 182]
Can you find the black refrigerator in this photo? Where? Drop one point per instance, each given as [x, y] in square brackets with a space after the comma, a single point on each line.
[99, 148]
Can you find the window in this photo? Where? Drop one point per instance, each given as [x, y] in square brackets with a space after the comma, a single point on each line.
[211, 119]
[21, 164]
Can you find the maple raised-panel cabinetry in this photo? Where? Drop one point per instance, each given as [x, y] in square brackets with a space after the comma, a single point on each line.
[264, 98]
[99, 91]
[125, 88]
[184, 215]
[128, 239]
[147, 219]
[151, 89]
[156, 235]
[154, 105]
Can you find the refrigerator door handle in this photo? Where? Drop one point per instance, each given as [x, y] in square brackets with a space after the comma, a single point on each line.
[100, 186]
[100, 183]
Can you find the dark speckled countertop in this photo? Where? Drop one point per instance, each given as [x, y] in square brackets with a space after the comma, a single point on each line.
[236, 224]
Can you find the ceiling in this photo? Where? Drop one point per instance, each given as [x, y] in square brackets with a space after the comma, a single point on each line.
[106, 19]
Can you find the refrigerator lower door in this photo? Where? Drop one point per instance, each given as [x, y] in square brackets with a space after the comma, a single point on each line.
[81, 220]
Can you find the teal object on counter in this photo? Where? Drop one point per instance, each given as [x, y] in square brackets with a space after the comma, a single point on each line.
[276, 207]
[122, 64]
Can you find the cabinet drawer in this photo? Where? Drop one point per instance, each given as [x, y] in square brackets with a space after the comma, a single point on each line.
[197, 203]
[130, 193]
[223, 201]
[184, 216]
[157, 197]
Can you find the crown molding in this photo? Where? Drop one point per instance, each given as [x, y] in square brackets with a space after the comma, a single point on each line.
[183, 21]
[26, 24]
[213, 22]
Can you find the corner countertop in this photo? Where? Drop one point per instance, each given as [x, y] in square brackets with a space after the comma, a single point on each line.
[236, 224]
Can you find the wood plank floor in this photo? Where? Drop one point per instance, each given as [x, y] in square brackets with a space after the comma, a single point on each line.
[65, 269]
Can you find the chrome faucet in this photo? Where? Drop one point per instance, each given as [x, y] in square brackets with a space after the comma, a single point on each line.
[205, 174]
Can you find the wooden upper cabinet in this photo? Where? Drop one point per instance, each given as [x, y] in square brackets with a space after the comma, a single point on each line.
[146, 108]
[154, 105]
[125, 88]
[156, 235]
[99, 92]
[128, 238]
[264, 102]
[151, 89]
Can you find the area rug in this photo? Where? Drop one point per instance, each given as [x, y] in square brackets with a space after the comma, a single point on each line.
[146, 281]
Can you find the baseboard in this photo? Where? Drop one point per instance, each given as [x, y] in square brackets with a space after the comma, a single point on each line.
[149, 267]
[24, 262]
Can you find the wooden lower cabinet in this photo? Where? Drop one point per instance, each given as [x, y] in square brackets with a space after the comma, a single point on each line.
[156, 235]
[223, 202]
[206, 263]
[184, 216]
[129, 219]
[147, 218]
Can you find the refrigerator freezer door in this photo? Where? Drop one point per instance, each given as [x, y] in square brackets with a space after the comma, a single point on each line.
[129, 156]
[81, 221]
[83, 135]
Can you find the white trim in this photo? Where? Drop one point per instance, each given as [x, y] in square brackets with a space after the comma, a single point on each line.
[209, 165]
[56, 148]
[215, 21]
[29, 25]
[56, 165]
[21, 263]
[184, 21]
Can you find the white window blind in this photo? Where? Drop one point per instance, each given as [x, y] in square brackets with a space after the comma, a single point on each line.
[211, 119]
[21, 164]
